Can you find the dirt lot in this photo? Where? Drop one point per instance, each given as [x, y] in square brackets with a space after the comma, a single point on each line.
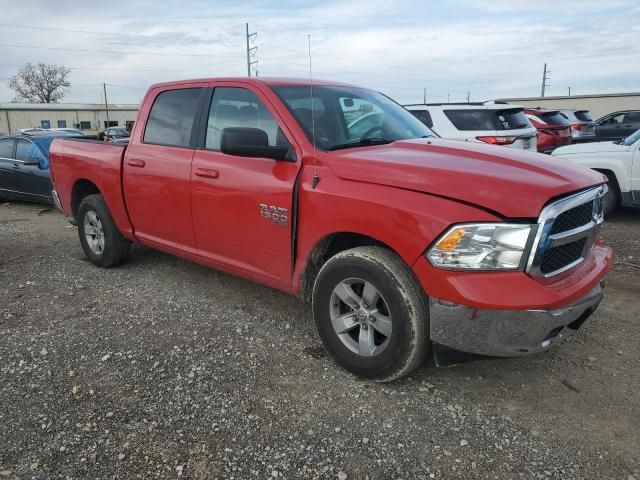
[161, 368]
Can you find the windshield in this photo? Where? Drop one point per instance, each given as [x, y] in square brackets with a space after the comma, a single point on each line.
[631, 139]
[349, 116]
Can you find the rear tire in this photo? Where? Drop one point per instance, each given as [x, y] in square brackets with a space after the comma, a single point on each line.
[612, 198]
[101, 240]
[371, 313]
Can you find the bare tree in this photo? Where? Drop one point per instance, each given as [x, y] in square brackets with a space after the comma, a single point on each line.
[40, 83]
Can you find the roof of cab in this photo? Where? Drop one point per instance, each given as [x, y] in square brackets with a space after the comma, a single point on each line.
[268, 81]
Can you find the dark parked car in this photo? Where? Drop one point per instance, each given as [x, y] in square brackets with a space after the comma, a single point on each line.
[113, 133]
[617, 125]
[24, 167]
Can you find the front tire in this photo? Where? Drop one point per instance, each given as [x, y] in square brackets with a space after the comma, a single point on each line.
[371, 313]
[101, 240]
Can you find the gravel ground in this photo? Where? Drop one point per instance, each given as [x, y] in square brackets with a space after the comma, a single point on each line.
[164, 369]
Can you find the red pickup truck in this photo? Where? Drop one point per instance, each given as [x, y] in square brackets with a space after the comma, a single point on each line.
[404, 243]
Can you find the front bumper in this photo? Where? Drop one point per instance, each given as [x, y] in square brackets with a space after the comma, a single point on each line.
[507, 333]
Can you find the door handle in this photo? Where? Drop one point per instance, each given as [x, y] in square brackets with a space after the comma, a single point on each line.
[136, 163]
[207, 173]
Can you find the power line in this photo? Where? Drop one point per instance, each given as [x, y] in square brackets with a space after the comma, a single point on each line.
[126, 86]
[91, 32]
[123, 52]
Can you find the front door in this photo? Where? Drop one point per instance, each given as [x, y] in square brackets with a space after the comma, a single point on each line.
[157, 170]
[242, 205]
[611, 128]
[31, 179]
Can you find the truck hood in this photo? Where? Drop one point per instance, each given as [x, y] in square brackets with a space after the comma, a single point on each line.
[511, 182]
[591, 147]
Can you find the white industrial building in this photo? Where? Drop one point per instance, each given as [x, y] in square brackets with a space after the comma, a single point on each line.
[598, 104]
[89, 117]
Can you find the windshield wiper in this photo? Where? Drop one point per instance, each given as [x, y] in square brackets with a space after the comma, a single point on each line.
[362, 143]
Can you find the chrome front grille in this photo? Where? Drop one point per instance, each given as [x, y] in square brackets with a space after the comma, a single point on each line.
[574, 218]
[566, 231]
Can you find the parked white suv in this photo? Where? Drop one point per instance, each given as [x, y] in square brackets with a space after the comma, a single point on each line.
[618, 160]
[490, 122]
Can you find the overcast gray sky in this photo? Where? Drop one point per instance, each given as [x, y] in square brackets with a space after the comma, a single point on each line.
[491, 48]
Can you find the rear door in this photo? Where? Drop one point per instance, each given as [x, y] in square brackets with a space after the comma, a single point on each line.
[157, 167]
[242, 206]
[31, 179]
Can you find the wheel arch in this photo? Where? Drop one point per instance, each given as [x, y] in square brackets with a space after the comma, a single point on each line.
[81, 189]
[327, 247]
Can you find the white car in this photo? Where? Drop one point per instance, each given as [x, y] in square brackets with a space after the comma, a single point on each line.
[618, 160]
[489, 122]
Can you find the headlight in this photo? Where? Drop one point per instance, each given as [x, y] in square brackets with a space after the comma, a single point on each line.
[481, 246]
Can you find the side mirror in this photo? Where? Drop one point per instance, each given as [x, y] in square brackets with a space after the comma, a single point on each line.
[250, 142]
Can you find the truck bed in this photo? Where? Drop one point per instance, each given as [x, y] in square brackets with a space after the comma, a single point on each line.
[79, 164]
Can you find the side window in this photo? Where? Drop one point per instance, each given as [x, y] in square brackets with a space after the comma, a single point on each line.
[22, 149]
[632, 117]
[617, 119]
[172, 116]
[424, 116]
[470, 119]
[6, 148]
[239, 107]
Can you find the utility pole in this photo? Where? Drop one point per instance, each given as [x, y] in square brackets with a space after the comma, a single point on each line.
[545, 77]
[106, 104]
[569, 90]
[251, 51]
[468, 97]
[424, 96]
[448, 98]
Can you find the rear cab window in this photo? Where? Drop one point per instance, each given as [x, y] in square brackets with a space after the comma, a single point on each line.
[172, 117]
